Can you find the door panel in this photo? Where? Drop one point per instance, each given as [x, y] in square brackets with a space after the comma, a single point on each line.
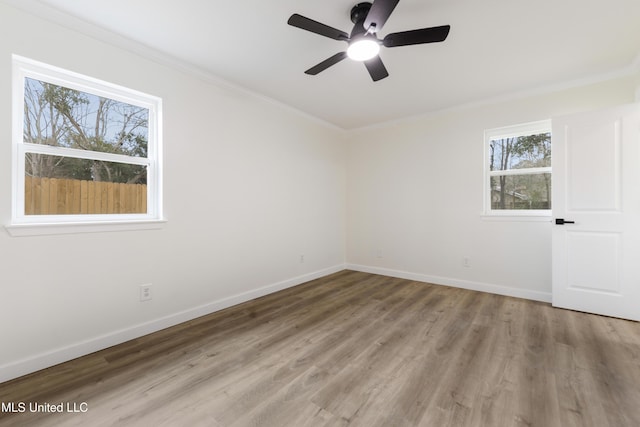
[596, 184]
[588, 190]
[583, 274]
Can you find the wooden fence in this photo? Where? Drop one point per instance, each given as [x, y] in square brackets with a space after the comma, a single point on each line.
[52, 196]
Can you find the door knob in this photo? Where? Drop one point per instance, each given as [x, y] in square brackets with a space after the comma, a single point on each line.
[562, 221]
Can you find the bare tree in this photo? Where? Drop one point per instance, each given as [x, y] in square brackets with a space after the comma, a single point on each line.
[531, 151]
[64, 117]
[504, 147]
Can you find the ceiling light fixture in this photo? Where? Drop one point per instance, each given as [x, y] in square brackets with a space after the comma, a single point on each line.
[363, 48]
[368, 20]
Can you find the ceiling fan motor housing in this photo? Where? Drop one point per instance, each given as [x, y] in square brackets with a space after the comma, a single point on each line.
[358, 15]
[359, 12]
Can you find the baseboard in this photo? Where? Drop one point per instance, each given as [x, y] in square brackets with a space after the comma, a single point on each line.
[64, 354]
[447, 281]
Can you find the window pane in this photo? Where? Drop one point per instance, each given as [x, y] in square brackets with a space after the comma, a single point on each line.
[63, 117]
[68, 186]
[531, 151]
[521, 191]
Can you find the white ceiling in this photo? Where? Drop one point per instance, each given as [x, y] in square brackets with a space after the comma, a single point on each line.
[495, 48]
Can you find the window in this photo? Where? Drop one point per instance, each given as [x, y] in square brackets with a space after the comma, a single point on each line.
[85, 151]
[518, 170]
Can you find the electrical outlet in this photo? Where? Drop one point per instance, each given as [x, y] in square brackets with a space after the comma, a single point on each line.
[301, 259]
[145, 292]
[466, 263]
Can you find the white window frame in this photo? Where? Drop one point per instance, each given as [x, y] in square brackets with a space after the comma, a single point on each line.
[22, 224]
[524, 129]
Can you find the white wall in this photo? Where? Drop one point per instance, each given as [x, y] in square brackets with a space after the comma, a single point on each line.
[249, 187]
[415, 192]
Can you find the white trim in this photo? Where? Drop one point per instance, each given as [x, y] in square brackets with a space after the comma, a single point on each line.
[56, 16]
[51, 150]
[515, 95]
[42, 229]
[525, 171]
[524, 216]
[51, 14]
[523, 129]
[44, 360]
[27, 68]
[529, 294]
[25, 366]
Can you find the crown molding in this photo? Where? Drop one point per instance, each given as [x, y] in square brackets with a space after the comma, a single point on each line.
[626, 71]
[56, 16]
[65, 20]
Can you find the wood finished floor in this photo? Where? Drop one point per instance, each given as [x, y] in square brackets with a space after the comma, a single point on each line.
[355, 349]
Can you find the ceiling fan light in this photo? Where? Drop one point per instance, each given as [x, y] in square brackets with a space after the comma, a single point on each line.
[363, 49]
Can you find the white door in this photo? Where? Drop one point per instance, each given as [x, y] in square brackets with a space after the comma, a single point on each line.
[596, 184]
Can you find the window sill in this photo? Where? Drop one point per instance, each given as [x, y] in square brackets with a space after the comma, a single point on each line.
[517, 218]
[19, 230]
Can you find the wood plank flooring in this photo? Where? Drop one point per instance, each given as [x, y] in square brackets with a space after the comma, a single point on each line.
[356, 349]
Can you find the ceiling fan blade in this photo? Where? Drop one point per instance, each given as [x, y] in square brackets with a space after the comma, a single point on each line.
[326, 63]
[316, 27]
[376, 68]
[379, 13]
[423, 35]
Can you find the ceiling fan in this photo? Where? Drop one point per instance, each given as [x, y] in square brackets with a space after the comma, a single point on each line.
[364, 45]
